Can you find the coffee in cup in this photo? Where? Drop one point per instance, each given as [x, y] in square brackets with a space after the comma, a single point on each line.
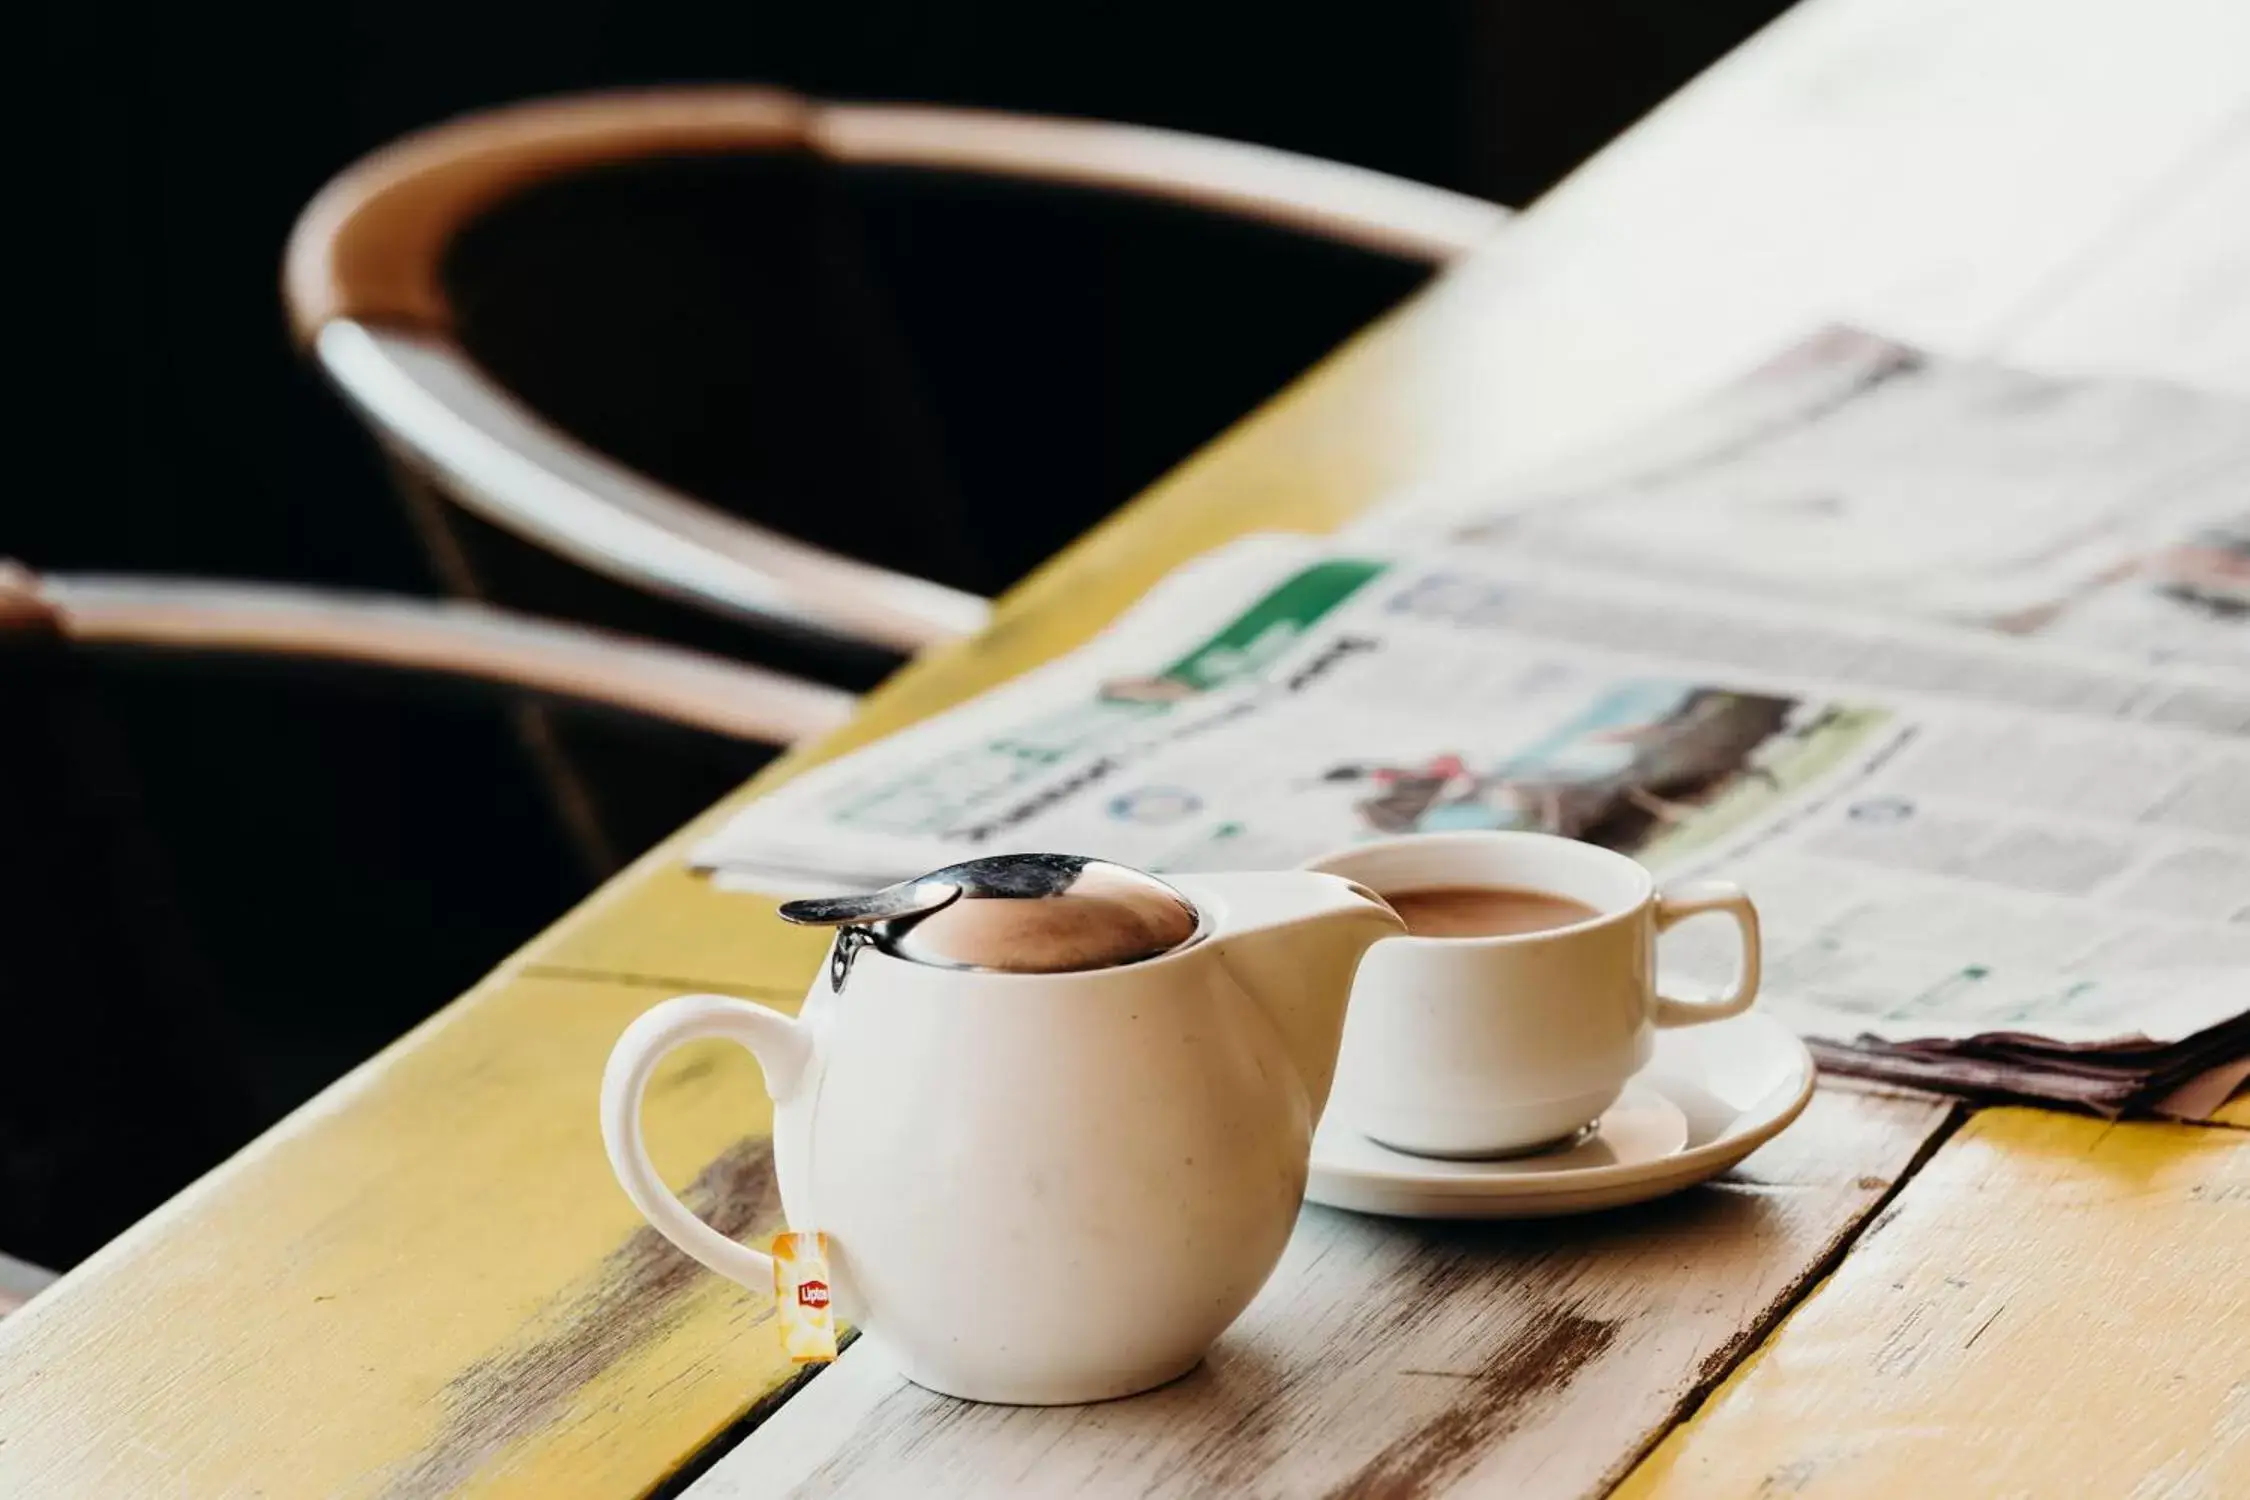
[1523, 994]
[1441, 911]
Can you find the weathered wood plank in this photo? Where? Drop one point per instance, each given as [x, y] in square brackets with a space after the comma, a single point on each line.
[426, 1277]
[1395, 1358]
[424, 1282]
[2053, 1306]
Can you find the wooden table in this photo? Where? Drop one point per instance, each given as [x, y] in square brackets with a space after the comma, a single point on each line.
[426, 1280]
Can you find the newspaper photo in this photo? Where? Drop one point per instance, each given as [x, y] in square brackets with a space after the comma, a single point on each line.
[2108, 513]
[1949, 834]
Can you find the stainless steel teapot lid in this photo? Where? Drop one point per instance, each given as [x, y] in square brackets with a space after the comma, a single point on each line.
[1014, 913]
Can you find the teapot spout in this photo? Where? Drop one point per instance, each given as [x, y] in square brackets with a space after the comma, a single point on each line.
[1294, 939]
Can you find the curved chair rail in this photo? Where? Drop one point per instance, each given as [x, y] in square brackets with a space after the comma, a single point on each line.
[361, 279]
[370, 243]
[20, 1281]
[461, 640]
[495, 457]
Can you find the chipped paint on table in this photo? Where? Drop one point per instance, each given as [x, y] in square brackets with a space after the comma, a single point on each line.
[424, 1282]
[426, 1279]
[2055, 1305]
[1400, 1358]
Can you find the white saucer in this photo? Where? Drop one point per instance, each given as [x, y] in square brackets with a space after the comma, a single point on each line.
[1709, 1097]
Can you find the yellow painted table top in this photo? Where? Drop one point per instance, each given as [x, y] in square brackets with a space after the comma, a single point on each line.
[2052, 1306]
[425, 1280]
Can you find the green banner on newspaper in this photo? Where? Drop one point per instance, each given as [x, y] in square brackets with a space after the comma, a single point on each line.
[1270, 626]
[973, 785]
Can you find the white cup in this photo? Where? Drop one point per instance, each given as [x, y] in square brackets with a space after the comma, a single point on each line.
[1499, 1046]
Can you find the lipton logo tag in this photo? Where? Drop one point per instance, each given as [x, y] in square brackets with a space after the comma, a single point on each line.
[800, 1297]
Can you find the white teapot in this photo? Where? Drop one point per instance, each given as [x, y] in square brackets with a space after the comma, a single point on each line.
[1053, 1114]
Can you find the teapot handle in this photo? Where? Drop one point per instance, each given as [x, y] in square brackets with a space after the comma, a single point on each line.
[781, 1044]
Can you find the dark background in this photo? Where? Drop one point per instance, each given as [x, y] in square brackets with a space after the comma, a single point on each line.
[219, 889]
[180, 142]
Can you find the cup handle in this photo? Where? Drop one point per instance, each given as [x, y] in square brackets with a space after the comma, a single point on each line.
[782, 1046]
[1673, 908]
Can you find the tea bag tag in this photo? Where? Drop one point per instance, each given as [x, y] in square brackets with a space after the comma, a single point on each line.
[801, 1297]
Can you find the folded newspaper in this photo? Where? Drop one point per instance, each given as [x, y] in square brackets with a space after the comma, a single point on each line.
[2010, 860]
